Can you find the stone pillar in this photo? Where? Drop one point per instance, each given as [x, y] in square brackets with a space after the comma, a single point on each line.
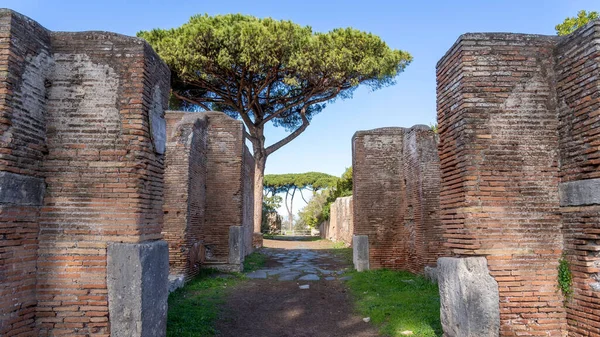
[360, 252]
[137, 288]
[469, 298]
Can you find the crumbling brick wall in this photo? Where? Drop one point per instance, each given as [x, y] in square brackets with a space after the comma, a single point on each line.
[498, 121]
[208, 177]
[578, 86]
[77, 111]
[340, 226]
[185, 191]
[24, 63]
[395, 187]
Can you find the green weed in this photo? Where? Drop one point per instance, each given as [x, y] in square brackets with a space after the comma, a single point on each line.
[397, 302]
[194, 309]
[254, 261]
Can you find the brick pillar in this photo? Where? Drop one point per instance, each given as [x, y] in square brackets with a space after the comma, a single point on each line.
[185, 192]
[499, 199]
[104, 175]
[394, 171]
[24, 66]
[578, 84]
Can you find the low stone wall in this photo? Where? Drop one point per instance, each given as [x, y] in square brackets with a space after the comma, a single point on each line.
[339, 227]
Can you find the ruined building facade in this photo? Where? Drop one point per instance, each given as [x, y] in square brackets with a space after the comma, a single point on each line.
[513, 187]
[88, 215]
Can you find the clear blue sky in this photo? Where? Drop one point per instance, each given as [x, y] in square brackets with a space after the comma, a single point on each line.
[426, 29]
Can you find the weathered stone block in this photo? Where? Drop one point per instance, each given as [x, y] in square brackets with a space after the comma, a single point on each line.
[469, 298]
[581, 192]
[137, 281]
[236, 244]
[360, 252]
[18, 189]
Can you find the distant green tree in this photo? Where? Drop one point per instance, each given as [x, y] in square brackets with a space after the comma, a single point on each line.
[269, 71]
[573, 23]
[269, 212]
[290, 183]
[312, 213]
[343, 188]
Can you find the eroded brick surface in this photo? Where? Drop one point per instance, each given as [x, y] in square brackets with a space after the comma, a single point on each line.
[578, 86]
[340, 226]
[395, 188]
[209, 174]
[75, 112]
[518, 116]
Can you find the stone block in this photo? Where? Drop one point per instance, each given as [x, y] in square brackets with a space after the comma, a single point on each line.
[360, 252]
[236, 245]
[469, 298]
[581, 192]
[137, 280]
[18, 189]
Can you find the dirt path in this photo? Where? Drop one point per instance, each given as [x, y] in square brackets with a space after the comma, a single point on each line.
[271, 303]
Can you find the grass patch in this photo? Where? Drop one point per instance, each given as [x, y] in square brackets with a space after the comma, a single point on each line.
[194, 309]
[340, 249]
[254, 261]
[398, 301]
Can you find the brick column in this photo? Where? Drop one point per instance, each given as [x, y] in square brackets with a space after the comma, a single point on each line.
[395, 204]
[24, 65]
[578, 83]
[499, 199]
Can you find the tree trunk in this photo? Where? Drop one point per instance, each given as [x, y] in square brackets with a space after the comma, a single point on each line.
[260, 159]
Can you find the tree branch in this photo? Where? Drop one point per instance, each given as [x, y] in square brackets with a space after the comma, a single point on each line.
[302, 195]
[302, 127]
[291, 136]
[183, 98]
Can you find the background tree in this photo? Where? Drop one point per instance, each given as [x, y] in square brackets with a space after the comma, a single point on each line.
[571, 24]
[271, 220]
[343, 188]
[312, 213]
[265, 70]
[290, 183]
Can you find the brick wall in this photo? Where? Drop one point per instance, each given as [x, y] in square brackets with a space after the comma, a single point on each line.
[24, 63]
[340, 226]
[579, 145]
[104, 177]
[185, 191]
[393, 170]
[498, 151]
[76, 111]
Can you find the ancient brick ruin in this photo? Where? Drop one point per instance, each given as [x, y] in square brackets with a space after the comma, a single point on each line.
[520, 130]
[104, 195]
[83, 185]
[519, 157]
[208, 194]
[340, 226]
[396, 185]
